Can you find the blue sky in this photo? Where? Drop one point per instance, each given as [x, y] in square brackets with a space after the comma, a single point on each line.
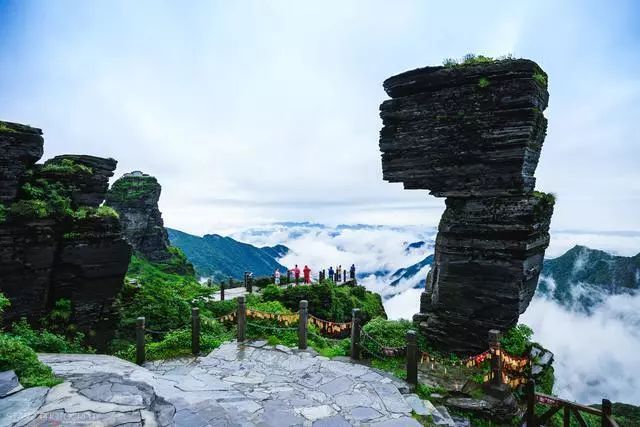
[249, 112]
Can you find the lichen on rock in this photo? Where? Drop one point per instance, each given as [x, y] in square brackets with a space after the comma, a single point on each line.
[473, 134]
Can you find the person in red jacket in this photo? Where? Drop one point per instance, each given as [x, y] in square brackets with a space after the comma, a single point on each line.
[307, 274]
[296, 273]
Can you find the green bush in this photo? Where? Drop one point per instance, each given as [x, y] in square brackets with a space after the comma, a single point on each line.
[483, 82]
[4, 303]
[44, 341]
[389, 333]
[178, 343]
[540, 78]
[30, 209]
[517, 340]
[129, 189]
[4, 212]
[16, 355]
[66, 167]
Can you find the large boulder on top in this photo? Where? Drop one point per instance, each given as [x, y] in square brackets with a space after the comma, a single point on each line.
[21, 147]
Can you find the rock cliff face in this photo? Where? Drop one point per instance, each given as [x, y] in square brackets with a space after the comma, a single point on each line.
[473, 134]
[55, 242]
[135, 197]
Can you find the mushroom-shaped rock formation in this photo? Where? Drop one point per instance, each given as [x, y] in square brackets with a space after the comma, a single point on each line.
[473, 133]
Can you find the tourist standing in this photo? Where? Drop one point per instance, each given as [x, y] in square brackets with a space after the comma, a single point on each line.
[352, 272]
[296, 274]
[307, 274]
[276, 277]
[338, 273]
[331, 276]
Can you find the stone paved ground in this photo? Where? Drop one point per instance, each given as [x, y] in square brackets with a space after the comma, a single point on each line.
[250, 385]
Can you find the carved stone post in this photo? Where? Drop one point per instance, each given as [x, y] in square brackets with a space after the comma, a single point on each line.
[140, 351]
[242, 319]
[355, 334]
[495, 387]
[412, 358]
[195, 331]
[302, 325]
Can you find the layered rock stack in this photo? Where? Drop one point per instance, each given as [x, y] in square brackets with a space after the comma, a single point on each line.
[55, 240]
[135, 197]
[473, 134]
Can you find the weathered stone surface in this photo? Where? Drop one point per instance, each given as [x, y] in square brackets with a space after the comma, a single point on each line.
[135, 197]
[91, 190]
[21, 147]
[54, 243]
[9, 383]
[473, 134]
[445, 132]
[198, 391]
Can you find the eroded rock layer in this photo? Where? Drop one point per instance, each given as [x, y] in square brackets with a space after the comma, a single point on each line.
[135, 197]
[473, 134]
[465, 131]
[55, 240]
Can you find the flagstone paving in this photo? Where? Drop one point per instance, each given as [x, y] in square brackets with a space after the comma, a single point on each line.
[235, 385]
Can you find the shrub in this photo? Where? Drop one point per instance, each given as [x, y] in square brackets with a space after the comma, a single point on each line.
[66, 167]
[517, 340]
[30, 209]
[4, 303]
[16, 355]
[483, 82]
[389, 333]
[44, 341]
[3, 213]
[105, 211]
[128, 189]
[540, 78]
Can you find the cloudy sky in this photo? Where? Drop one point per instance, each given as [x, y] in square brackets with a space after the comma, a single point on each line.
[251, 112]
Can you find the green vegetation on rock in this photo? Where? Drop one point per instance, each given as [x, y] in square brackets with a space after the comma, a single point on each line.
[132, 188]
[472, 59]
[66, 167]
[18, 356]
[483, 82]
[3, 213]
[517, 340]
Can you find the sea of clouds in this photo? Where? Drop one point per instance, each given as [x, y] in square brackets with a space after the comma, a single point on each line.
[596, 355]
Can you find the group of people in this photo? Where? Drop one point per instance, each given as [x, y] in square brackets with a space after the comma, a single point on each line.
[337, 275]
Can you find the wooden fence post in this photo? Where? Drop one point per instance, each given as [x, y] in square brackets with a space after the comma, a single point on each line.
[606, 412]
[242, 319]
[302, 325]
[355, 334]
[140, 352]
[412, 358]
[496, 356]
[195, 331]
[222, 289]
[530, 395]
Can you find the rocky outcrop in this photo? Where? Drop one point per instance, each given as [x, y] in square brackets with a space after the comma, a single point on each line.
[55, 240]
[135, 197]
[91, 190]
[21, 147]
[473, 134]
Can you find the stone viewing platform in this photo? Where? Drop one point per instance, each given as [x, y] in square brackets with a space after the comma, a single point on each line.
[235, 385]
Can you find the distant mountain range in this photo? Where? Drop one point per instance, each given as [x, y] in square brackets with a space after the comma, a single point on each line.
[221, 257]
[583, 277]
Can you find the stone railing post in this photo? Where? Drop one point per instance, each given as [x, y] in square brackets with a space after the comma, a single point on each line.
[242, 319]
[288, 276]
[495, 387]
[355, 334]
[530, 396]
[302, 324]
[140, 352]
[344, 276]
[195, 331]
[606, 413]
[412, 358]
[222, 290]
